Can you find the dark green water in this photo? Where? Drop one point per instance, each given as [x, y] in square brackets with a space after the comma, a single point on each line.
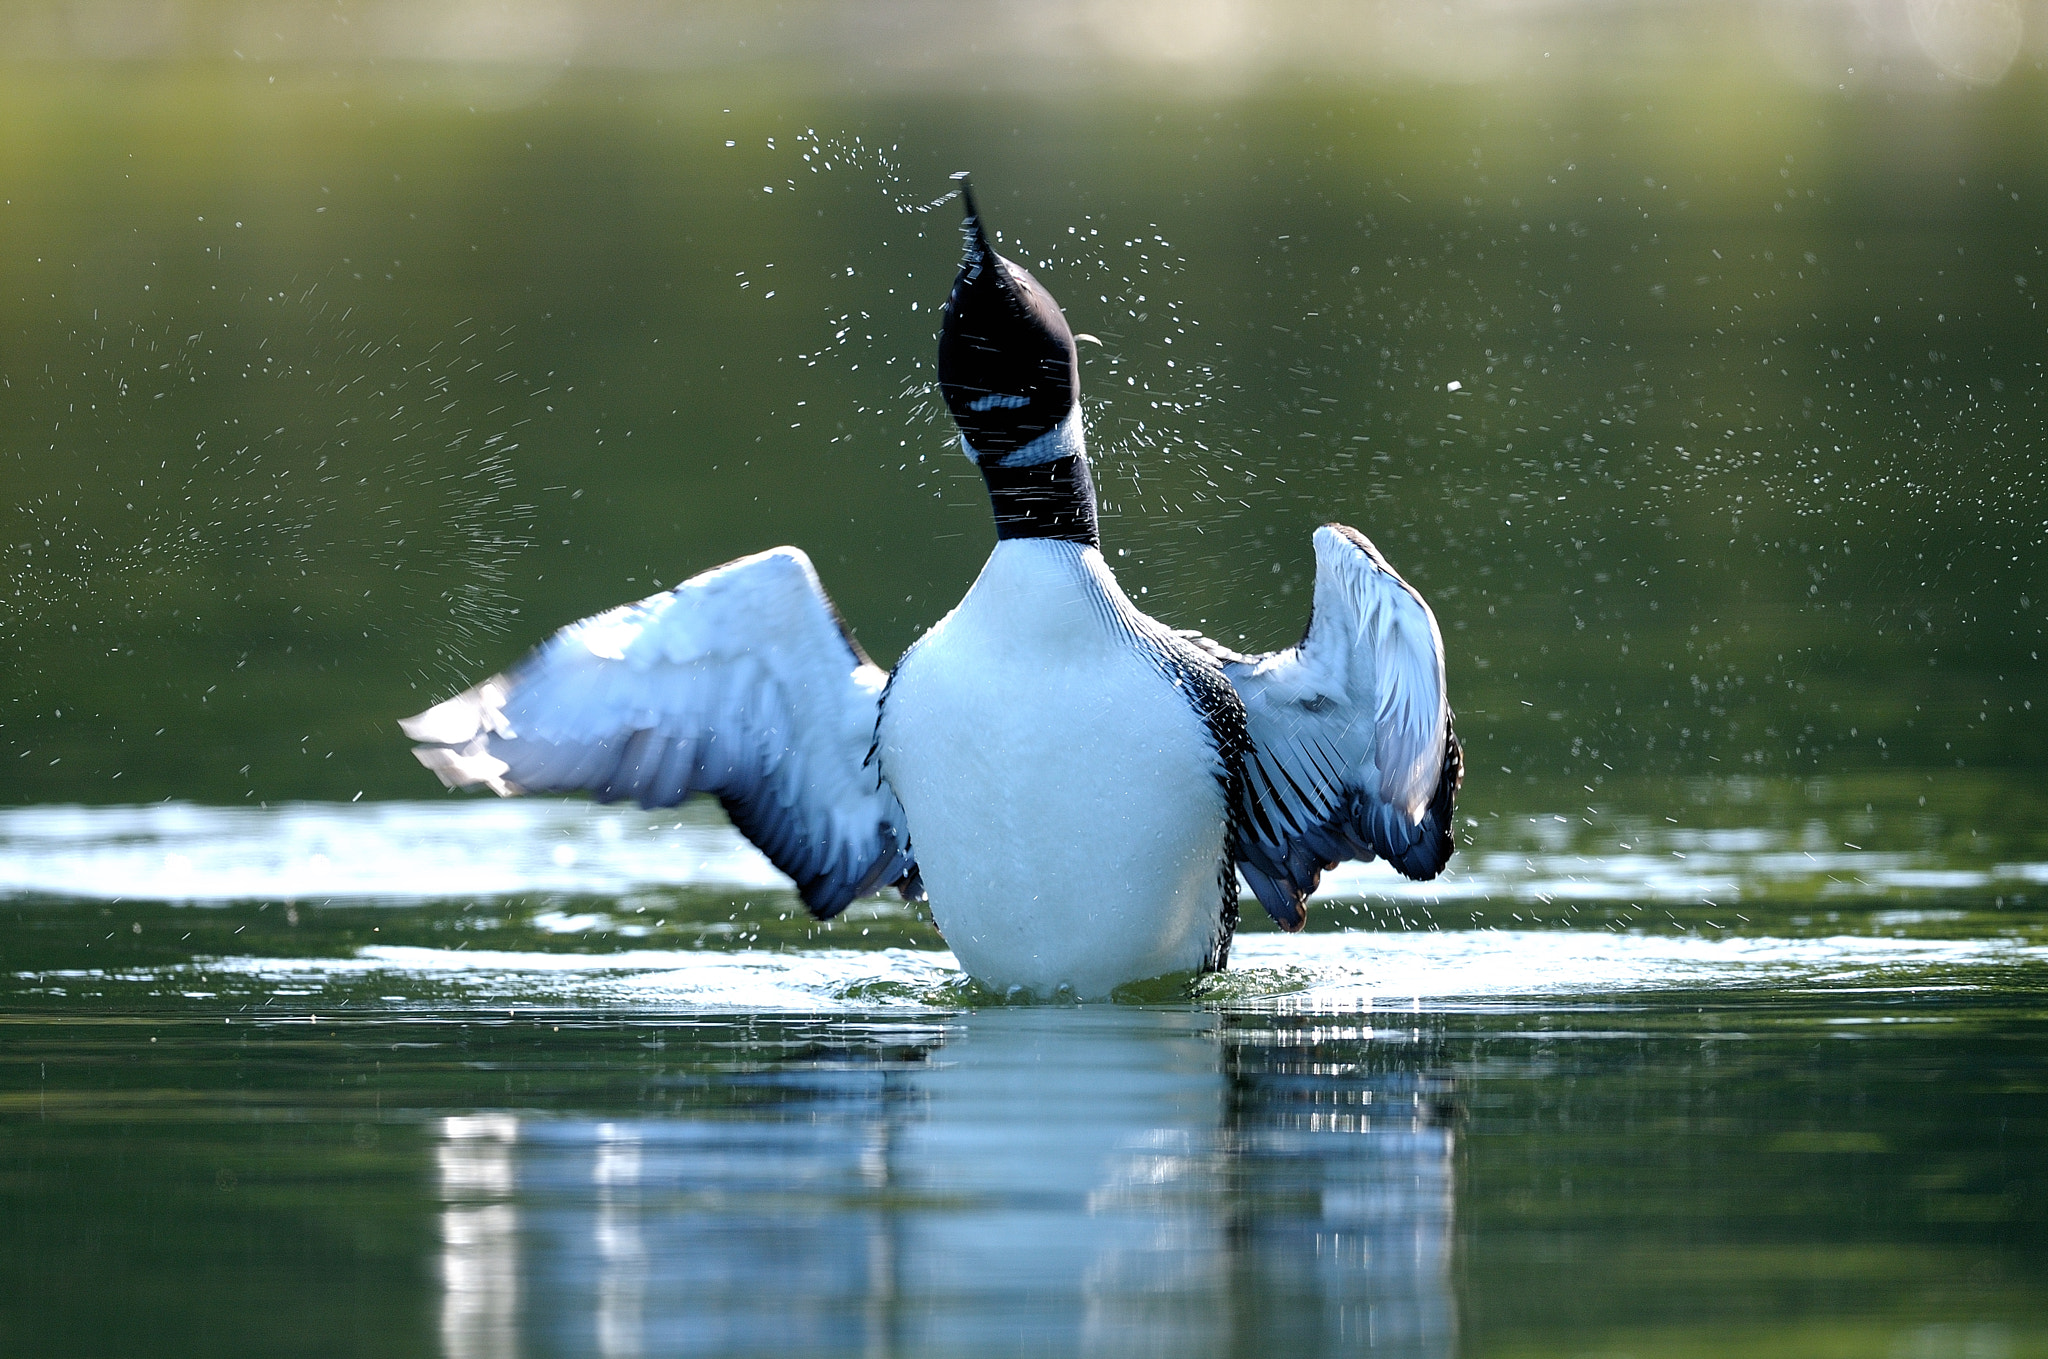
[335, 371]
[1850, 1172]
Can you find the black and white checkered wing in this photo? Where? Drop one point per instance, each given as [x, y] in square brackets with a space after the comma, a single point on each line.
[1353, 753]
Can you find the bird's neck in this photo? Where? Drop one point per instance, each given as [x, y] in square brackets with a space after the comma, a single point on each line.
[1053, 499]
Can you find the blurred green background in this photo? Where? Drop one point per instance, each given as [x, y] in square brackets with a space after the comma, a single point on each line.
[1686, 356]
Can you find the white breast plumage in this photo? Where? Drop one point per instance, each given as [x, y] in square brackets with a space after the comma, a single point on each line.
[1067, 800]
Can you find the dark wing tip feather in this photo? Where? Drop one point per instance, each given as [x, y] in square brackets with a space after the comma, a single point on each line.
[1433, 843]
[911, 885]
[1285, 901]
[828, 881]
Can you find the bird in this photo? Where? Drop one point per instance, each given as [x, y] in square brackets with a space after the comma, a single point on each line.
[1073, 787]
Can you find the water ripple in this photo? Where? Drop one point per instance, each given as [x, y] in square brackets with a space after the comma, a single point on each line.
[1353, 970]
[429, 851]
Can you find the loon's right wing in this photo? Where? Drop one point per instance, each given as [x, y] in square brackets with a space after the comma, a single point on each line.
[741, 682]
[1353, 753]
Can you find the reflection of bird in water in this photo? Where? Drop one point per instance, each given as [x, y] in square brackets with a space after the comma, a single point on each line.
[1077, 785]
[1114, 1181]
[1355, 1130]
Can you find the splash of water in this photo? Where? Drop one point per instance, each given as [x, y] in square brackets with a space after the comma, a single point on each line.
[1151, 377]
[364, 474]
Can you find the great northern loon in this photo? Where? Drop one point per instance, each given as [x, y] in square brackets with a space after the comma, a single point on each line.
[1075, 785]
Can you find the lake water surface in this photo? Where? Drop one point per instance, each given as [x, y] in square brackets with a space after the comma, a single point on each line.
[621, 1097]
[1687, 359]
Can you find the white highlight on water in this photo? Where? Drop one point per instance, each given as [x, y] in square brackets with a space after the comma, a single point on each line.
[1354, 970]
[401, 853]
[387, 851]
[456, 849]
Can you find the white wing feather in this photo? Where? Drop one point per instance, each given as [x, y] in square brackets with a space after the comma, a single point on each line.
[1353, 754]
[740, 682]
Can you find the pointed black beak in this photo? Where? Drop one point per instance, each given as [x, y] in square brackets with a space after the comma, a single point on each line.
[977, 254]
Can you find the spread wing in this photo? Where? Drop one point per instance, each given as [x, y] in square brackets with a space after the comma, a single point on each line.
[741, 682]
[1353, 753]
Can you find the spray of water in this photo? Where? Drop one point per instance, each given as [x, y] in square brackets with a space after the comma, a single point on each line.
[1150, 372]
[344, 474]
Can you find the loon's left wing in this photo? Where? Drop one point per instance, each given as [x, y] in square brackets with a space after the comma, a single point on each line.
[1353, 753]
[741, 682]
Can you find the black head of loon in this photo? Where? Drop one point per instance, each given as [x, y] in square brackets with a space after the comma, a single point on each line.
[1010, 377]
